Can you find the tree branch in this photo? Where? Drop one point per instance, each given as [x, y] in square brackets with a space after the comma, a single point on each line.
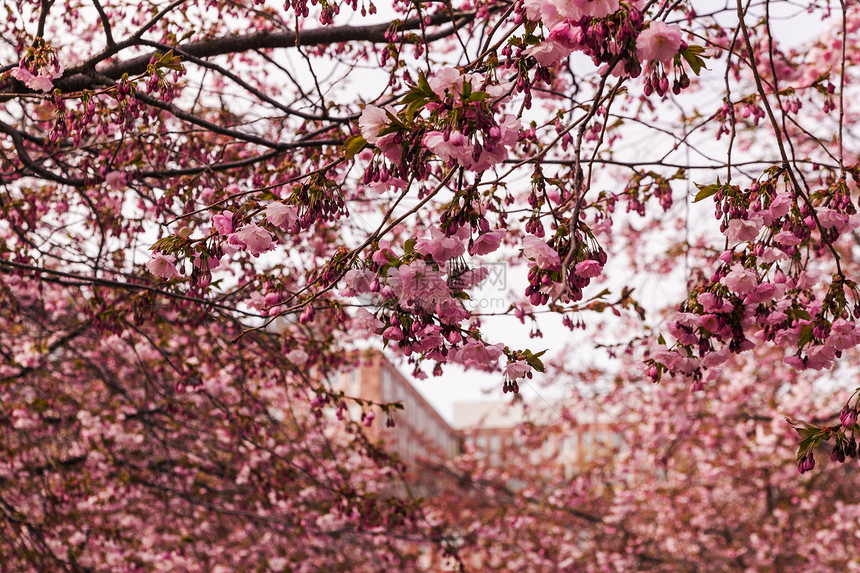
[77, 79]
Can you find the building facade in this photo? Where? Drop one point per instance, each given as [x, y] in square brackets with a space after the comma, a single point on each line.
[490, 429]
[419, 430]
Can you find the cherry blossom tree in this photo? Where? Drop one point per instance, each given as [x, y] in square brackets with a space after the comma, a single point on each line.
[666, 480]
[204, 207]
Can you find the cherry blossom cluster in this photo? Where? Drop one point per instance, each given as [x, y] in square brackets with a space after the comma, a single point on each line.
[317, 201]
[420, 301]
[843, 434]
[546, 280]
[39, 67]
[761, 290]
[602, 30]
[616, 36]
[454, 116]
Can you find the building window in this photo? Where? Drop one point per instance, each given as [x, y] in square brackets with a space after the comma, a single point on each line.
[386, 384]
[495, 443]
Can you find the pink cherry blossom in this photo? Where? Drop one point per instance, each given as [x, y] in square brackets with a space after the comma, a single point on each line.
[473, 277]
[456, 147]
[509, 129]
[543, 11]
[475, 354]
[771, 255]
[716, 358]
[659, 42]
[541, 253]
[419, 282]
[394, 333]
[590, 8]
[588, 269]
[223, 222]
[712, 303]
[450, 310]
[830, 218]
[383, 254]
[281, 215]
[780, 206]
[206, 264]
[297, 356]
[682, 335]
[807, 279]
[567, 35]
[373, 120]
[500, 92]
[381, 187]
[255, 238]
[740, 230]
[366, 321]
[487, 243]
[740, 279]
[764, 292]
[358, 281]
[786, 239]
[820, 357]
[446, 79]
[116, 180]
[549, 53]
[443, 247]
[843, 335]
[392, 150]
[41, 82]
[161, 265]
[517, 370]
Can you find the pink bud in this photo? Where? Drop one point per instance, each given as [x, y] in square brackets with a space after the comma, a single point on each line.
[307, 316]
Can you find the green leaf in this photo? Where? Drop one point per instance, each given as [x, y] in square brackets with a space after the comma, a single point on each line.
[804, 446]
[536, 363]
[806, 336]
[602, 294]
[423, 86]
[692, 54]
[170, 61]
[415, 107]
[412, 96]
[394, 119]
[534, 360]
[467, 91]
[163, 244]
[706, 191]
[353, 145]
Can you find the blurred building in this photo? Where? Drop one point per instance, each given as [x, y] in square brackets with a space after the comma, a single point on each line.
[420, 431]
[493, 429]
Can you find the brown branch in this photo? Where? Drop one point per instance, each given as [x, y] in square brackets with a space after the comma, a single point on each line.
[81, 280]
[78, 78]
[33, 165]
[242, 83]
[786, 164]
